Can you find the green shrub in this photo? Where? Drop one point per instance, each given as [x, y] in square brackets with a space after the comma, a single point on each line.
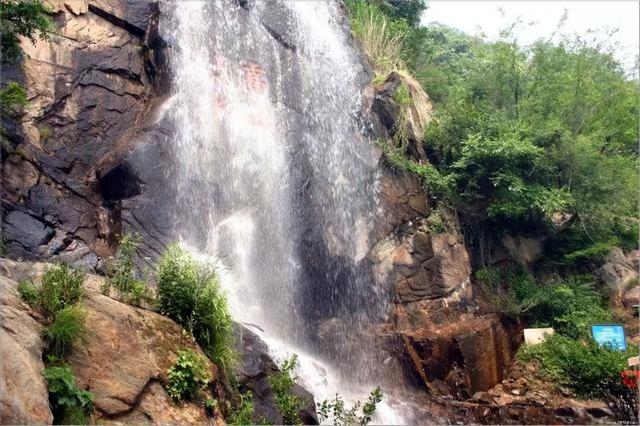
[187, 376]
[28, 292]
[61, 287]
[282, 384]
[210, 406]
[588, 369]
[509, 292]
[189, 293]
[70, 405]
[402, 96]
[66, 329]
[12, 97]
[243, 414]
[3, 239]
[340, 415]
[570, 306]
[122, 274]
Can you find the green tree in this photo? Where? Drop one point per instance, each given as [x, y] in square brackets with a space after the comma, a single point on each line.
[28, 18]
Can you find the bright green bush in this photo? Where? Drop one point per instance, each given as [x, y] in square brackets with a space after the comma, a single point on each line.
[282, 384]
[587, 368]
[189, 292]
[570, 306]
[70, 405]
[61, 287]
[67, 328]
[12, 97]
[340, 415]
[28, 292]
[189, 375]
[595, 252]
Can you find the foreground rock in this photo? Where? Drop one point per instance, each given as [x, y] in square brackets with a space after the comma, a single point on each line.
[123, 358]
[23, 391]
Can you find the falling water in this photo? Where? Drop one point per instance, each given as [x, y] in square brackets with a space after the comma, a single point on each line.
[274, 176]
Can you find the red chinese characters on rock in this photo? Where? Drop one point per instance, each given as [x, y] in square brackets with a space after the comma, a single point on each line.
[255, 77]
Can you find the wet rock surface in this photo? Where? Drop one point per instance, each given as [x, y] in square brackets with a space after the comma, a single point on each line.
[87, 87]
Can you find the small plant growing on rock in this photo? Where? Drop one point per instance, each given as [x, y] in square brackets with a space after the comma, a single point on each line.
[282, 384]
[70, 404]
[3, 239]
[342, 416]
[58, 300]
[189, 293]
[66, 329]
[28, 292]
[243, 414]
[401, 95]
[122, 274]
[61, 287]
[187, 376]
[210, 406]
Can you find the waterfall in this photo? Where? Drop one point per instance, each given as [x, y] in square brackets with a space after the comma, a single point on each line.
[273, 176]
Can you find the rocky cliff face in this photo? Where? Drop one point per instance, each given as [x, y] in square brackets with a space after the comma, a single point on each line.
[420, 255]
[88, 87]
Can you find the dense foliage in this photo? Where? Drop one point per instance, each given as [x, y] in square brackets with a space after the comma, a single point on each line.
[588, 369]
[282, 384]
[188, 376]
[569, 305]
[542, 136]
[189, 292]
[70, 405]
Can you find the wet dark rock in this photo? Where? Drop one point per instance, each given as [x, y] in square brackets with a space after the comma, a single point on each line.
[119, 183]
[27, 230]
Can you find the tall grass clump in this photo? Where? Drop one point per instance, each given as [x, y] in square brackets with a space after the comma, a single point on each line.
[381, 39]
[66, 329]
[61, 287]
[189, 293]
[58, 299]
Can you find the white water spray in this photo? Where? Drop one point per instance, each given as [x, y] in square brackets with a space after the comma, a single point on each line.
[275, 177]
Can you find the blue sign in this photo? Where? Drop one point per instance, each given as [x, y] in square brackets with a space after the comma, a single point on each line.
[611, 335]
